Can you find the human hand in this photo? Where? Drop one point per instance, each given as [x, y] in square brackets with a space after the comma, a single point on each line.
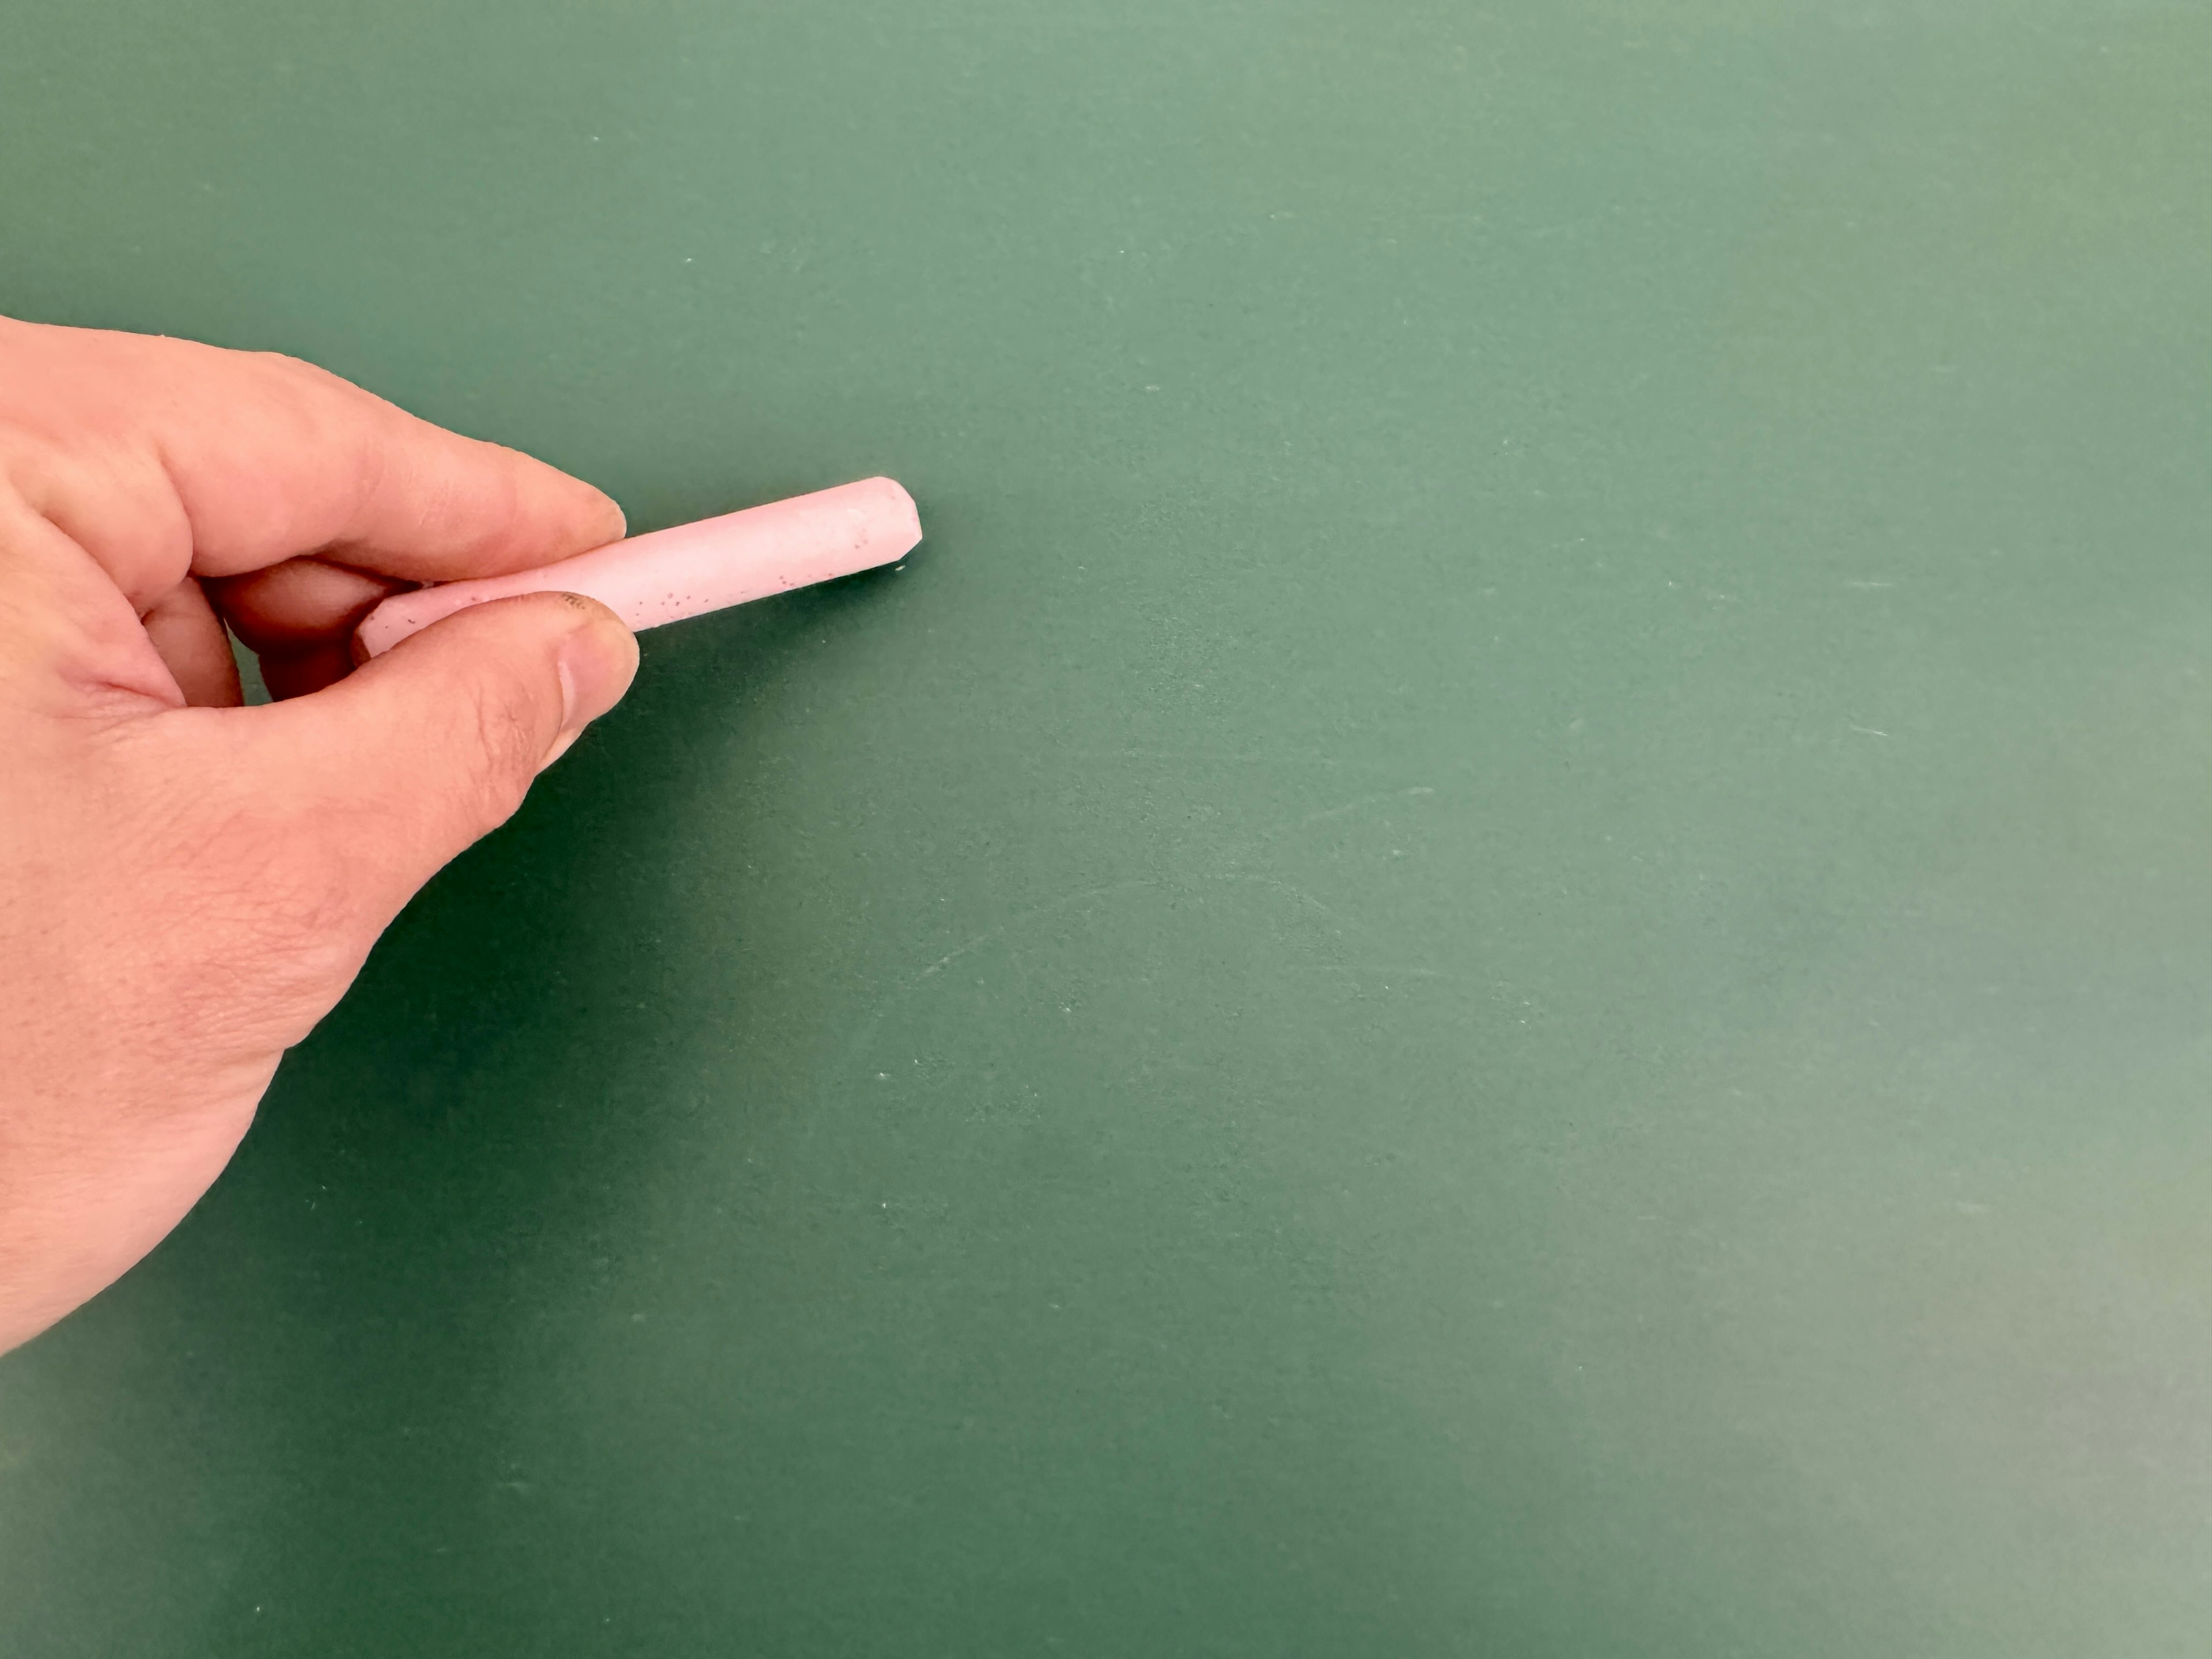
[187, 885]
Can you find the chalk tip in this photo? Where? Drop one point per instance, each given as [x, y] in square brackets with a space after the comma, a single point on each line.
[897, 497]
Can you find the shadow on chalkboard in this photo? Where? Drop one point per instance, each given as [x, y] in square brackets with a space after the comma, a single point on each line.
[434, 1171]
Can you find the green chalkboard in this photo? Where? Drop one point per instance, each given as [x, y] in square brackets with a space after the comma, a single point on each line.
[1504, 948]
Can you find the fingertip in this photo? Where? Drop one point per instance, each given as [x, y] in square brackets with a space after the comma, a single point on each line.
[610, 524]
[300, 602]
[596, 663]
[562, 514]
[590, 650]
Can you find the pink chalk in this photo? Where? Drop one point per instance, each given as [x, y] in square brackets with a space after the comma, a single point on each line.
[692, 569]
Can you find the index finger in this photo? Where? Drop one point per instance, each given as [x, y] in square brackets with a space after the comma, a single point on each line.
[164, 458]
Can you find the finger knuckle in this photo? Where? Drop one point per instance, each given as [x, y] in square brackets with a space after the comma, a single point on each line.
[503, 733]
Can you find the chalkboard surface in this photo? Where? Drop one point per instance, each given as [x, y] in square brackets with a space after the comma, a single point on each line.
[1505, 948]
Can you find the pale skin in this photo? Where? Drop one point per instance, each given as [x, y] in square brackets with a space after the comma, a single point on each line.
[187, 885]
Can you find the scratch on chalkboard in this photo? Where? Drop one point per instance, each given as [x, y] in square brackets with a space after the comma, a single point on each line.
[1375, 968]
[868, 1025]
[1326, 813]
[1068, 899]
[1030, 914]
[864, 1032]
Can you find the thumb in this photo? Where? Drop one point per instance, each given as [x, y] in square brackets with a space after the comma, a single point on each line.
[432, 744]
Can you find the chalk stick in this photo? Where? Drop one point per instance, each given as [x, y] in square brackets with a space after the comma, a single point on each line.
[693, 568]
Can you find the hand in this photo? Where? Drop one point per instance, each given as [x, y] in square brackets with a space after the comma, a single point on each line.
[187, 885]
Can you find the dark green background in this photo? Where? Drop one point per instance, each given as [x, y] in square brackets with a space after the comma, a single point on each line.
[1504, 948]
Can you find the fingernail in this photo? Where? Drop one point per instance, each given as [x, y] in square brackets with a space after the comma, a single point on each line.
[560, 747]
[596, 665]
[614, 523]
